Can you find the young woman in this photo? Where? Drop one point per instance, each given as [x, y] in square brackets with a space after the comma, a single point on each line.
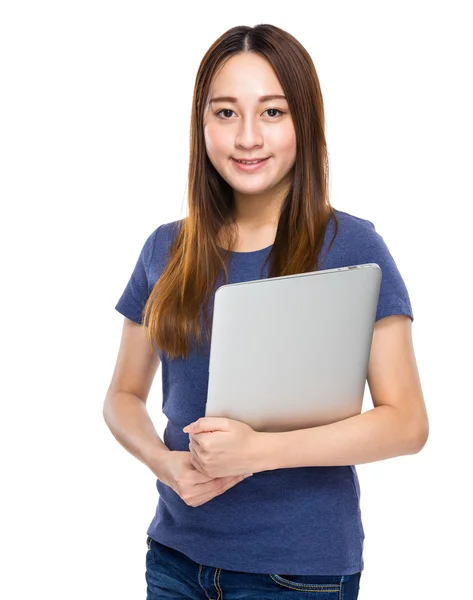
[258, 207]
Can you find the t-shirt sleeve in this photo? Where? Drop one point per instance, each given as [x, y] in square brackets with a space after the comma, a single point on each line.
[136, 292]
[393, 295]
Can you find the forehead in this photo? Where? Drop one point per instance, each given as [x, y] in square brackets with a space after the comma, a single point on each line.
[245, 76]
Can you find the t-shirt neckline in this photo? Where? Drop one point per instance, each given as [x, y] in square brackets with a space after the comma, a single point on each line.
[250, 253]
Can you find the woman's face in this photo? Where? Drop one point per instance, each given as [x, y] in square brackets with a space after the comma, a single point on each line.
[245, 126]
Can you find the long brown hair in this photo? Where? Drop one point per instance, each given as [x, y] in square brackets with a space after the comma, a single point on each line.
[172, 312]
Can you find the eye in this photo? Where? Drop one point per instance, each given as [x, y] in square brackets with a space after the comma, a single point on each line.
[223, 110]
[228, 110]
[275, 109]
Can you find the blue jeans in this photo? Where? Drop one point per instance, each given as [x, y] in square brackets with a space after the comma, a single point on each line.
[171, 574]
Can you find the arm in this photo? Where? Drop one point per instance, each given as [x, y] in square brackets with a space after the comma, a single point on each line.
[124, 408]
[398, 424]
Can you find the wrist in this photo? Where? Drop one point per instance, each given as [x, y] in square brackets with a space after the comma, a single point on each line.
[265, 453]
[155, 458]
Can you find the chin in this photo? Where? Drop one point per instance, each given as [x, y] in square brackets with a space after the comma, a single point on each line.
[250, 189]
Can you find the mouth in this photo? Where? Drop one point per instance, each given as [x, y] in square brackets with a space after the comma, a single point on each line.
[251, 165]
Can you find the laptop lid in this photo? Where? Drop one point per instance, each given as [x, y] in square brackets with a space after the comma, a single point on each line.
[292, 352]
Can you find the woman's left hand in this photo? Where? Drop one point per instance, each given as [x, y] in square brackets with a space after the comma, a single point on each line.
[222, 447]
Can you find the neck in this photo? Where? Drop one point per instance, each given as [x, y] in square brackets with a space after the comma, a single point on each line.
[253, 211]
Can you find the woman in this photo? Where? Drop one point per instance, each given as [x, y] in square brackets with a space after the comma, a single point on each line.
[258, 207]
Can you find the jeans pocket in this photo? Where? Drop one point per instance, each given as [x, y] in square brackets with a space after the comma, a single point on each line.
[314, 583]
[148, 542]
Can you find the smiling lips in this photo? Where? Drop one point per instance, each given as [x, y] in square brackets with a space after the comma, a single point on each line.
[250, 160]
[246, 165]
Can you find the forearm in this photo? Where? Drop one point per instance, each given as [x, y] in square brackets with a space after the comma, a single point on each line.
[376, 434]
[127, 418]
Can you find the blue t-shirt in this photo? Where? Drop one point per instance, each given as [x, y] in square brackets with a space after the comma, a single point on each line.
[297, 521]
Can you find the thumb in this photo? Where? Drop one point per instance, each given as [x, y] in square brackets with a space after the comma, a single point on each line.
[206, 424]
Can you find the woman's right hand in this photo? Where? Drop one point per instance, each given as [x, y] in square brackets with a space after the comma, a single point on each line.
[191, 485]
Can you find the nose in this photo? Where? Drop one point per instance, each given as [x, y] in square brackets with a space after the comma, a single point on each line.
[249, 134]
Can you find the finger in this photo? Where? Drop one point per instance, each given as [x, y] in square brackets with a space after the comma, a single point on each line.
[195, 453]
[194, 447]
[196, 464]
[208, 424]
[217, 491]
[193, 438]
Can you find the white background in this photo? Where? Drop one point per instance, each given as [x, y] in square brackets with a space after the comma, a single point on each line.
[94, 117]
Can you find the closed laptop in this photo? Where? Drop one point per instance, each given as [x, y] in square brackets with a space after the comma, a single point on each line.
[292, 352]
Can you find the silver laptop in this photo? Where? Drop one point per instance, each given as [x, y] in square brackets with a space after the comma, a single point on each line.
[292, 352]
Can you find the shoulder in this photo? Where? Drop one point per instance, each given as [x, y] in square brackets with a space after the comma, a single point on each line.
[349, 242]
[352, 227]
[357, 242]
[168, 231]
[160, 239]
[158, 246]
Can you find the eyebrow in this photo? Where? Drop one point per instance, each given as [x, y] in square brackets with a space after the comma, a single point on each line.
[235, 100]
